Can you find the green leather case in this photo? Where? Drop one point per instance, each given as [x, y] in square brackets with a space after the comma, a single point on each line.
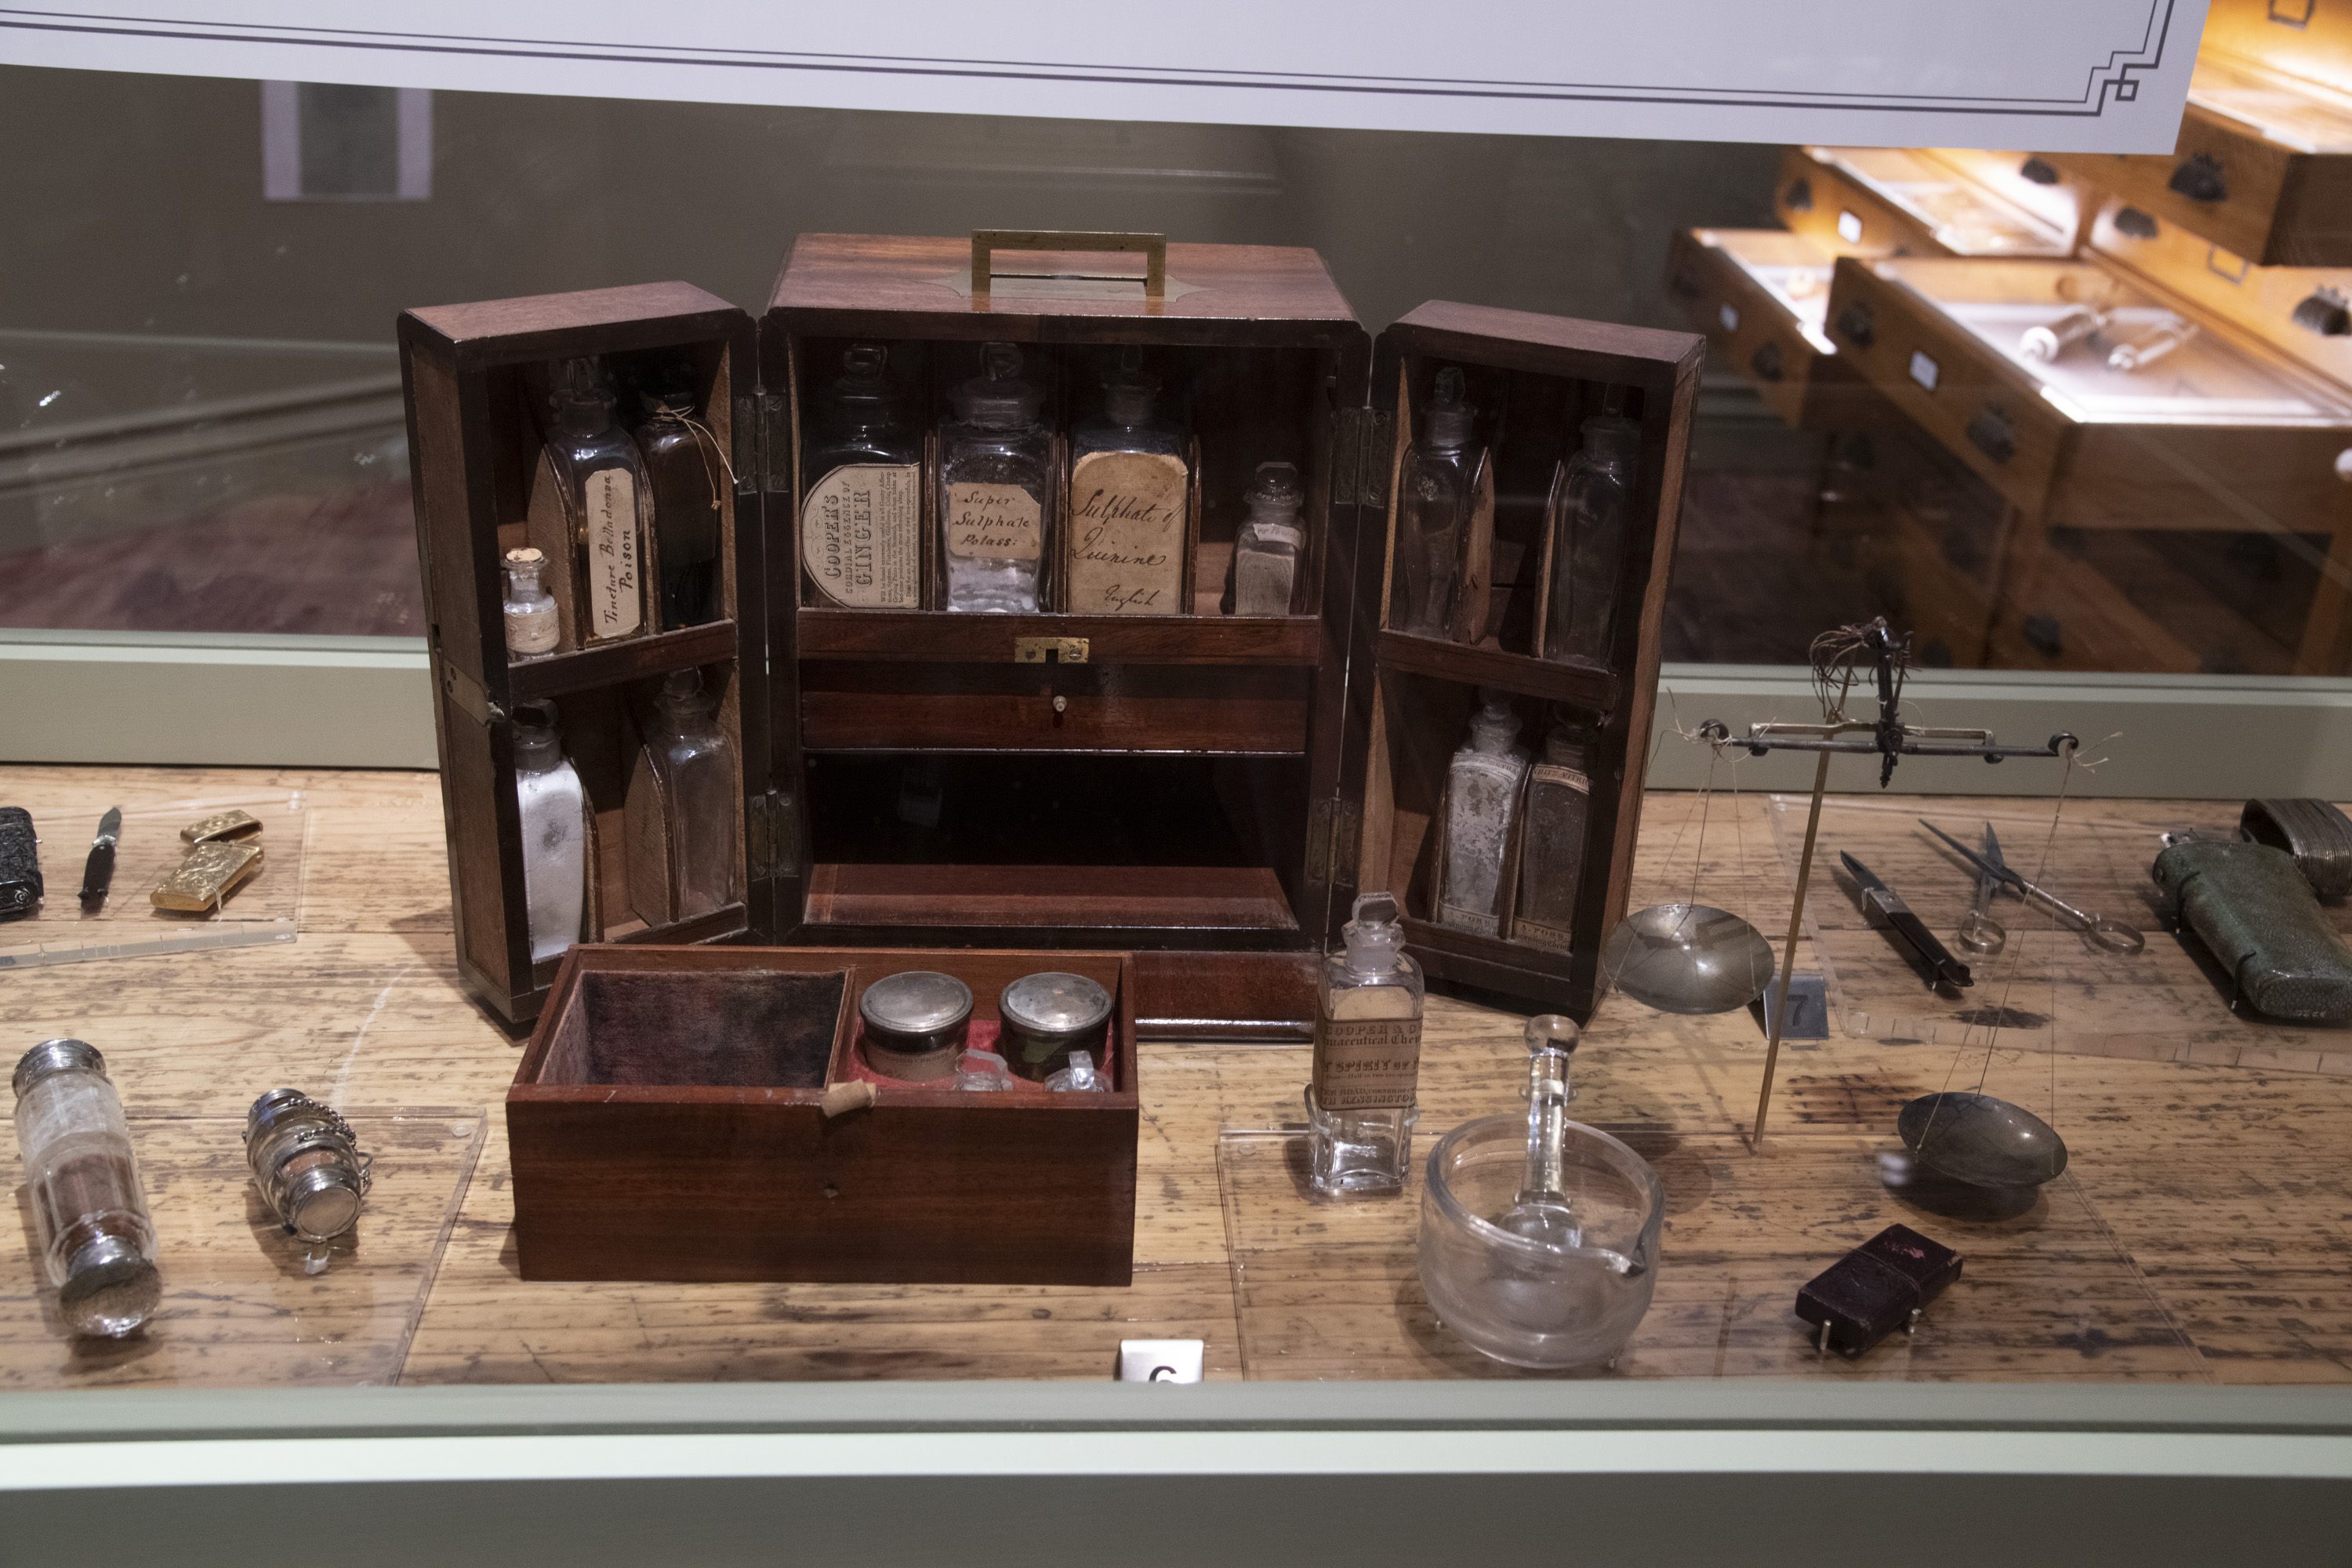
[2262, 920]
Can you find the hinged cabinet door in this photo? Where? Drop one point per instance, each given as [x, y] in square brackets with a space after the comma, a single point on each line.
[1517, 524]
[476, 378]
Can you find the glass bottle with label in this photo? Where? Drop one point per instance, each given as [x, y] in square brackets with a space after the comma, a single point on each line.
[1130, 489]
[533, 625]
[1265, 554]
[696, 764]
[862, 518]
[1433, 501]
[91, 1223]
[1482, 795]
[607, 506]
[1588, 552]
[683, 467]
[1359, 1103]
[996, 490]
[1552, 852]
[554, 838]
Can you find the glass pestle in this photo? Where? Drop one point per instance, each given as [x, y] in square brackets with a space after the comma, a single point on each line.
[1541, 1212]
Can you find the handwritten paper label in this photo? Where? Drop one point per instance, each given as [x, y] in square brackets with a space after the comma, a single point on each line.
[1127, 534]
[1555, 852]
[861, 535]
[1263, 575]
[616, 600]
[1367, 1050]
[993, 522]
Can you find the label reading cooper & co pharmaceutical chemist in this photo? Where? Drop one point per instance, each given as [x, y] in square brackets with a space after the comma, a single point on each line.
[861, 535]
[616, 599]
[1368, 1051]
[1127, 533]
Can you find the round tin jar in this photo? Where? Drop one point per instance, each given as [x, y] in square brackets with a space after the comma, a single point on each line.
[915, 1023]
[1046, 1017]
[310, 1167]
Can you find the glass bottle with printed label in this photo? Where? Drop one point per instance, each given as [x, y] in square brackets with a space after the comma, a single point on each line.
[554, 836]
[1433, 500]
[696, 764]
[686, 473]
[1359, 1103]
[862, 517]
[1482, 796]
[1552, 840]
[1131, 493]
[533, 625]
[1266, 554]
[607, 506]
[996, 490]
[1589, 550]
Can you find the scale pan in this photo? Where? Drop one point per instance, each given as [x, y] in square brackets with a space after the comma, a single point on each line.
[1981, 1141]
[1687, 958]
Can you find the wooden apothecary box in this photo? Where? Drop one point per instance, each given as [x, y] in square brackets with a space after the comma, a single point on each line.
[667, 1123]
[1190, 788]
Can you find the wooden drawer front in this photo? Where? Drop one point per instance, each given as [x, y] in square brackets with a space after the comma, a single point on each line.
[1842, 216]
[2252, 175]
[2065, 614]
[1053, 708]
[1752, 330]
[2233, 478]
[1935, 584]
[1989, 418]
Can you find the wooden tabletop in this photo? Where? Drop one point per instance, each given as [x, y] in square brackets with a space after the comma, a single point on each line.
[2204, 1232]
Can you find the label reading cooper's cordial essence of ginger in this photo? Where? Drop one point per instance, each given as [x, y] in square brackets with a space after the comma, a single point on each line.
[861, 535]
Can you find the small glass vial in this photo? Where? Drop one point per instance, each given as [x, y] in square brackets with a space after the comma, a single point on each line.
[1482, 796]
[1552, 840]
[1266, 554]
[1047, 1017]
[685, 472]
[307, 1164]
[90, 1211]
[1361, 1103]
[607, 506]
[554, 842]
[862, 519]
[532, 627]
[2047, 342]
[1589, 554]
[1130, 496]
[2138, 354]
[696, 762]
[1433, 500]
[1080, 1077]
[996, 490]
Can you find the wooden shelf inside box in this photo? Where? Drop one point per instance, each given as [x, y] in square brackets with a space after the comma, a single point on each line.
[946, 635]
[613, 663]
[1204, 711]
[666, 1123]
[1466, 666]
[1112, 897]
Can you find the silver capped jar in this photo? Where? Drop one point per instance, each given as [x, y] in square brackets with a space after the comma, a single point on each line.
[1046, 1017]
[915, 1023]
[308, 1166]
[89, 1213]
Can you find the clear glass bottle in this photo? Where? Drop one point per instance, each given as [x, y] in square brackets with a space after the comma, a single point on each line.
[1266, 554]
[696, 762]
[2152, 345]
[1589, 555]
[1551, 841]
[996, 490]
[1130, 491]
[862, 517]
[1360, 1102]
[607, 506]
[90, 1211]
[554, 841]
[685, 474]
[533, 628]
[1433, 501]
[1482, 796]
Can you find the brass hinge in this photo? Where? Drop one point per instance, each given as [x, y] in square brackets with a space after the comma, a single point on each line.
[763, 443]
[1360, 465]
[772, 827]
[466, 693]
[1050, 650]
[1334, 829]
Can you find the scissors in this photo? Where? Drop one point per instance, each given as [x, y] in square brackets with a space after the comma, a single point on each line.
[2113, 935]
[1980, 933]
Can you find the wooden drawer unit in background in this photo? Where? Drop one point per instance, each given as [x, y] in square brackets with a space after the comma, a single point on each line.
[1912, 201]
[1758, 295]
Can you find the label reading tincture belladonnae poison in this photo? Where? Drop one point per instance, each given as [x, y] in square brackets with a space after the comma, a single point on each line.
[615, 575]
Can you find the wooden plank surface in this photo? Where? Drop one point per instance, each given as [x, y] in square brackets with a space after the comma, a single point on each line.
[2220, 1171]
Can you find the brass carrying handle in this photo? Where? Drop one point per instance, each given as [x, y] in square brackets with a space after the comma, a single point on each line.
[1153, 247]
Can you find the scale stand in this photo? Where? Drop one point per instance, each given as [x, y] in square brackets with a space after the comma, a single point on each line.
[1836, 658]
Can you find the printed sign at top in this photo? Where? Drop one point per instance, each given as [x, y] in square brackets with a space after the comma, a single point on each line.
[2092, 76]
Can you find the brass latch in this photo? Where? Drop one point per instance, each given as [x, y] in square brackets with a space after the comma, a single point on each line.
[1049, 650]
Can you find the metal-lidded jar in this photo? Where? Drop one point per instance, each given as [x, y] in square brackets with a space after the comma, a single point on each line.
[1046, 1017]
[915, 1023]
[307, 1164]
[89, 1210]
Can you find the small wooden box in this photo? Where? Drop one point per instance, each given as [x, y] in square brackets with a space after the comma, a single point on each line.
[666, 1123]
